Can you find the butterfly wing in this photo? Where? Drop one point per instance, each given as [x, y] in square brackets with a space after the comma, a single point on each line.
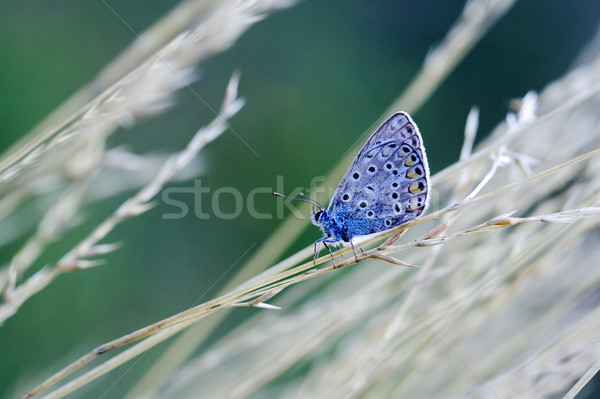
[387, 184]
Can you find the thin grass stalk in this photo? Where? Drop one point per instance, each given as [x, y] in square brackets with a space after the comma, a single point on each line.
[476, 19]
[475, 298]
[72, 151]
[265, 289]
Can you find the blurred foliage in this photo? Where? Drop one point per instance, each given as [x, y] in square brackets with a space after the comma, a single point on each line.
[315, 77]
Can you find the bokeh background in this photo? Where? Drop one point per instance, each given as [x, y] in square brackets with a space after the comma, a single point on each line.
[315, 77]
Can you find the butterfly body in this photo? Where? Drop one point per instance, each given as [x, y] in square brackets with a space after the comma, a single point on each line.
[386, 185]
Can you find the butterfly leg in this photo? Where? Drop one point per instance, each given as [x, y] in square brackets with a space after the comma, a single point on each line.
[330, 253]
[317, 249]
[353, 250]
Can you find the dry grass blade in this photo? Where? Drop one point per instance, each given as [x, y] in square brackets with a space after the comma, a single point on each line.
[129, 208]
[523, 293]
[476, 18]
[141, 80]
[503, 303]
[136, 205]
[263, 290]
[593, 370]
[72, 151]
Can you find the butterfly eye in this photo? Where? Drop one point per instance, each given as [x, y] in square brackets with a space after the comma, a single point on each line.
[318, 215]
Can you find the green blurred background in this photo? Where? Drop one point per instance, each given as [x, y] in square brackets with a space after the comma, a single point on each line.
[315, 76]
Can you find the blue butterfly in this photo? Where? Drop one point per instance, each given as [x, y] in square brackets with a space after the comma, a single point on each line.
[386, 185]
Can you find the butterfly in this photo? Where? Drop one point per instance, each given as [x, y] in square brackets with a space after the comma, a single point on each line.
[386, 186]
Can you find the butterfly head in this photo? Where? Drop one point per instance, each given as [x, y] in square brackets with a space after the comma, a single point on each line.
[317, 216]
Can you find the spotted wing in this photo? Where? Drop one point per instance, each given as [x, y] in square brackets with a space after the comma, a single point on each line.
[388, 182]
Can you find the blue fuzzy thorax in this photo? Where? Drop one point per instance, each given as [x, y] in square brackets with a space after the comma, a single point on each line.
[339, 225]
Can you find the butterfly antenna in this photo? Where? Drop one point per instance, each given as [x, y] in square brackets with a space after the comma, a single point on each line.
[312, 201]
[305, 199]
